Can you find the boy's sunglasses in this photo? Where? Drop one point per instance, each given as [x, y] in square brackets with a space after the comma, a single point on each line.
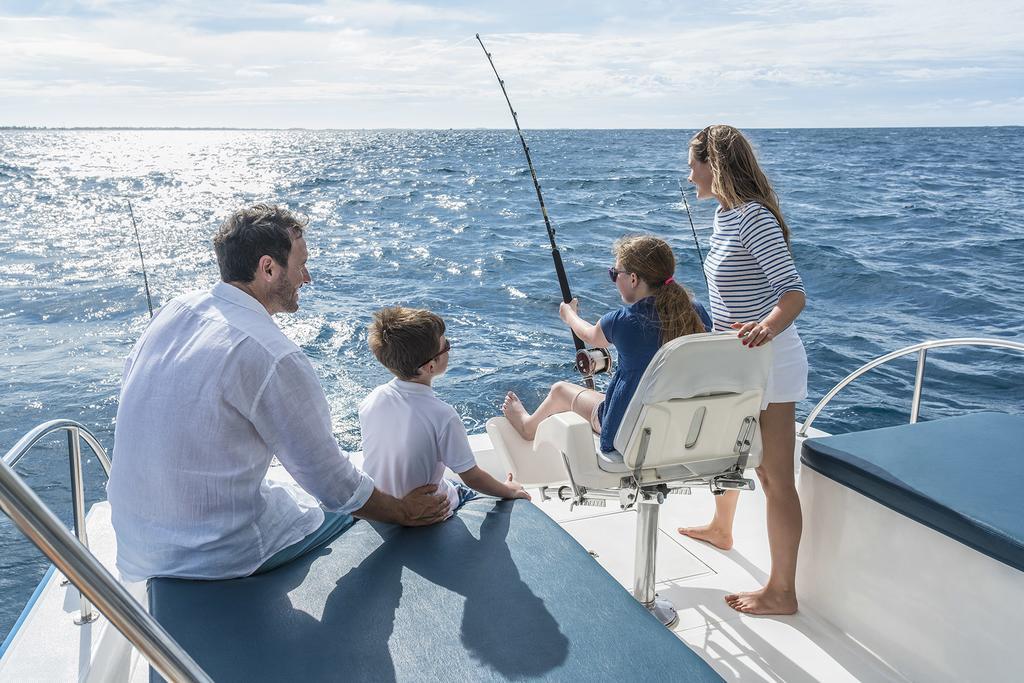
[614, 273]
[446, 349]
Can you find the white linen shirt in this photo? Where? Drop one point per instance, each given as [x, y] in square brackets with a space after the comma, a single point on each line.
[409, 436]
[211, 392]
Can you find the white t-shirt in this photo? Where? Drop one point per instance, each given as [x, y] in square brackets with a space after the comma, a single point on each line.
[409, 436]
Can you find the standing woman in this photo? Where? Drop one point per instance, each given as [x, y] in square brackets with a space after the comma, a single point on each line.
[755, 289]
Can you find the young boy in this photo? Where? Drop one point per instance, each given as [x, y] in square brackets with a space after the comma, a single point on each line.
[409, 434]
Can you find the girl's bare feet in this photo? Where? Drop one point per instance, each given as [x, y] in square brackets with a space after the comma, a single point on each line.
[515, 413]
[720, 538]
[763, 601]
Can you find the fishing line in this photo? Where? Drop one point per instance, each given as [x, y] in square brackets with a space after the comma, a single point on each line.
[696, 242]
[145, 278]
[583, 358]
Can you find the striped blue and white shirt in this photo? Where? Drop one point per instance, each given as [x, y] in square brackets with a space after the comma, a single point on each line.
[749, 266]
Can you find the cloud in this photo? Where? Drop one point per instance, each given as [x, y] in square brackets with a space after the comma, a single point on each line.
[948, 73]
[799, 8]
[597, 65]
[69, 89]
[63, 49]
[382, 14]
[252, 72]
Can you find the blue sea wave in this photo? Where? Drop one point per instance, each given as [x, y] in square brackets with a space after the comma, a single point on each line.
[899, 234]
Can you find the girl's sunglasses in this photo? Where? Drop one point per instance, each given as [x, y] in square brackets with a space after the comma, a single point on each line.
[614, 273]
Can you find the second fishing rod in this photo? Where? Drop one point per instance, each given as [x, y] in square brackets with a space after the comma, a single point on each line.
[588, 361]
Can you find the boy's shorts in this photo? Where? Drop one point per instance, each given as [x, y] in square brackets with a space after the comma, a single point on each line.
[466, 494]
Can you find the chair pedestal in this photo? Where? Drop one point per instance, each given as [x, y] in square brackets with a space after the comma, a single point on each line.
[692, 420]
[648, 507]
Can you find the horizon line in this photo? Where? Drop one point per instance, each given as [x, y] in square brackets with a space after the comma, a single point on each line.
[487, 128]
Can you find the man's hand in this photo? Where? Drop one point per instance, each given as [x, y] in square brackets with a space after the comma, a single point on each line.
[517, 489]
[423, 506]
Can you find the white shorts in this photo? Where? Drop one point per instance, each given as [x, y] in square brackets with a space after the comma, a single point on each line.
[787, 382]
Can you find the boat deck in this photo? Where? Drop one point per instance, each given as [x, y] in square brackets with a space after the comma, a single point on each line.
[696, 577]
[693, 575]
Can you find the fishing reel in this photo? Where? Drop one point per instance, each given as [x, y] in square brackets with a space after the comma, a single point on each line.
[591, 362]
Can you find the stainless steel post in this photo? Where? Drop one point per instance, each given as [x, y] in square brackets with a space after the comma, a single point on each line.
[78, 511]
[646, 551]
[67, 553]
[645, 559]
[915, 403]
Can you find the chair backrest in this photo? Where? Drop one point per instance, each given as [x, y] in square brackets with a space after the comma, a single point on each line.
[694, 397]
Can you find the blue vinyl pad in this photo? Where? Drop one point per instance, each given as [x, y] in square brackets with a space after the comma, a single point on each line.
[498, 592]
[962, 476]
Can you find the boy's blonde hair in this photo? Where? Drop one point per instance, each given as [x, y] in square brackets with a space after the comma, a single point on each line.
[403, 339]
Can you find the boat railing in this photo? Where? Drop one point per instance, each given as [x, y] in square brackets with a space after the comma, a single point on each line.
[922, 355]
[76, 433]
[71, 556]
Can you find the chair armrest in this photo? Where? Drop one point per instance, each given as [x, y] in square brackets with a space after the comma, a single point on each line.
[531, 465]
[565, 433]
[570, 434]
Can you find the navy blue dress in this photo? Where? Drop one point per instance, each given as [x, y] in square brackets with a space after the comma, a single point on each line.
[635, 332]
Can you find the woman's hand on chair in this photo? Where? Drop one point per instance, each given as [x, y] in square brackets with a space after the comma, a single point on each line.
[754, 334]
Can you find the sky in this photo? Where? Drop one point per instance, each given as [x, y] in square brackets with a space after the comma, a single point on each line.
[571, 64]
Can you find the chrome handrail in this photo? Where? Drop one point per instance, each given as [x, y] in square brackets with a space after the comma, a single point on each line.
[73, 559]
[922, 349]
[76, 434]
[30, 439]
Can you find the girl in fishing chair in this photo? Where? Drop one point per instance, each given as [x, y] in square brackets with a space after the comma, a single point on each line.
[657, 309]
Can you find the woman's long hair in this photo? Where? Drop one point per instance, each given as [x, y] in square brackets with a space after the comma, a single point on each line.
[736, 177]
[651, 259]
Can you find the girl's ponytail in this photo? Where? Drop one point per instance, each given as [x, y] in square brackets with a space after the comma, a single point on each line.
[675, 309]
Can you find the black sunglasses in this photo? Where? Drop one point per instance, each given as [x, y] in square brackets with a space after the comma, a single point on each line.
[614, 273]
[446, 349]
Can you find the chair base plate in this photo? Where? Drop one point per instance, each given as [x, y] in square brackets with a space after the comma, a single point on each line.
[664, 611]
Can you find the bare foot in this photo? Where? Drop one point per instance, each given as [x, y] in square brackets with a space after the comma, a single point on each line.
[515, 413]
[720, 538]
[763, 601]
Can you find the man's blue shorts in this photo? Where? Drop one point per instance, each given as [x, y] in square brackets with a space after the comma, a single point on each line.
[335, 524]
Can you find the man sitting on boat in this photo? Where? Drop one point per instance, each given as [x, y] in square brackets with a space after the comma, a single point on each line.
[211, 392]
[409, 434]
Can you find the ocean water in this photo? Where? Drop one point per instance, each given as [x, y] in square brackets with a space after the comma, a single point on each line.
[900, 235]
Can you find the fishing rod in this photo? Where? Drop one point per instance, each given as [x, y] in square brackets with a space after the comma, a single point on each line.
[696, 242]
[587, 362]
[145, 278]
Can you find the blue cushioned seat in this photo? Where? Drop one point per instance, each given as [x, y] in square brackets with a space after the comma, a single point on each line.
[498, 592]
[962, 476]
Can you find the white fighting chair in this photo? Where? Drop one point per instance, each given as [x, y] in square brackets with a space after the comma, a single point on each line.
[692, 421]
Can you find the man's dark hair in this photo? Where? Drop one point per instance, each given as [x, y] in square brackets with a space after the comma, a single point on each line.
[251, 233]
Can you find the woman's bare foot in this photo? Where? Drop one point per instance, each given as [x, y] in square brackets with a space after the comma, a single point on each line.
[720, 538]
[515, 413]
[763, 601]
